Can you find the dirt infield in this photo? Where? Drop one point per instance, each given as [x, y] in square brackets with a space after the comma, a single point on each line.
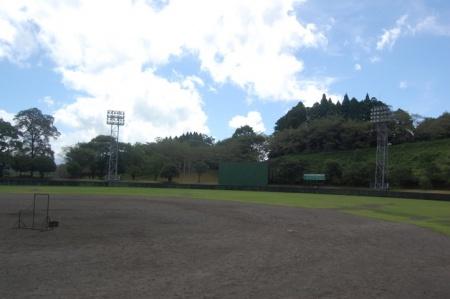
[114, 247]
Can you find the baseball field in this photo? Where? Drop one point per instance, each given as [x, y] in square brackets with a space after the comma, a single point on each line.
[185, 243]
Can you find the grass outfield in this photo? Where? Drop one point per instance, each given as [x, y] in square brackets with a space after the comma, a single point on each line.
[424, 213]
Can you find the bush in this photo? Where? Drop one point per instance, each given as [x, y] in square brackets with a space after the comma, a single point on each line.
[425, 182]
[434, 173]
[288, 172]
[200, 168]
[22, 163]
[61, 171]
[403, 176]
[74, 169]
[358, 174]
[169, 171]
[44, 165]
[333, 171]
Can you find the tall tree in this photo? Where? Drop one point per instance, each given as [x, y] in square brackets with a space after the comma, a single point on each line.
[196, 139]
[9, 142]
[345, 107]
[244, 131]
[44, 164]
[169, 171]
[244, 145]
[402, 127]
[36, 130]
[200, 168]
[293, 119]
[91, 158]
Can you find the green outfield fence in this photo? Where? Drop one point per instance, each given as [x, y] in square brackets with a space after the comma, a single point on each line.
[269, 188]
[243, 174]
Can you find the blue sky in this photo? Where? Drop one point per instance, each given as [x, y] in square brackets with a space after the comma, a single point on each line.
[211, 66]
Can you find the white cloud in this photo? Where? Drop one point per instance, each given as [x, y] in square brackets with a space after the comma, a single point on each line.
[6, 116]
[390, 36]
[312, 91]
[253, 119]
[403, 84]
[428, 25]
[374, 59]
[357, 67]
[153, 106]
[47, 100]
[111, 51]
[364, 43]
[17, 40]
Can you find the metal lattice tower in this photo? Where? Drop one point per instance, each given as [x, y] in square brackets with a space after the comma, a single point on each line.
[115, 119]
[380, 116]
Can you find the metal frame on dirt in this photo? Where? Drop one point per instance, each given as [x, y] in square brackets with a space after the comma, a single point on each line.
[35, 225]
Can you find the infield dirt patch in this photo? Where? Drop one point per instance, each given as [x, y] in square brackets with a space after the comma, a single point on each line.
[116, 247]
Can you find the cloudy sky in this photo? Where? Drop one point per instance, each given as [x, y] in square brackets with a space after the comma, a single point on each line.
[211, 66]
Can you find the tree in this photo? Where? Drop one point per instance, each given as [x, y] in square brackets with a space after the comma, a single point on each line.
[358, 174]
[434, 128]
[36, 130]
[169, 171]
[288, 171]
[196, 139]
[81, 160]
[333, 171]
[403, 176]
[61, 171]
[100, 145]
[153, 164]
[354, 109]
[133, 157]
[200, 168]
[402, 128]
[92, 157]
[293, 118]
[22, 163]
[325, 134]
[74, 169]
[9, 142]
[244, 131]
[43, 164]
[244, 145]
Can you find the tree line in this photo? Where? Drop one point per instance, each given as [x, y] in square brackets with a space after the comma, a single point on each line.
[324, 127]
[327, 126]
[190, 153]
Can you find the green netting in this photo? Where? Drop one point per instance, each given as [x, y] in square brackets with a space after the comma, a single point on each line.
[243, 173]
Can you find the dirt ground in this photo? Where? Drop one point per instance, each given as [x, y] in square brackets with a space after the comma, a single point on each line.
[112, 247]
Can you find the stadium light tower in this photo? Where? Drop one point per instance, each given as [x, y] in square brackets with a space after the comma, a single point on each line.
[115, 119]
[380, 116]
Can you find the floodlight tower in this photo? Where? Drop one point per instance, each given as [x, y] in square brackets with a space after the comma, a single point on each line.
[115, 119]
[380, 116]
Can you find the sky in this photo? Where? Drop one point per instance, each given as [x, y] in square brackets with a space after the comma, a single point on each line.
[177, 66]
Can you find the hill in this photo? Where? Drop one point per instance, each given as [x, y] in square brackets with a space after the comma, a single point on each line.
[423, 164]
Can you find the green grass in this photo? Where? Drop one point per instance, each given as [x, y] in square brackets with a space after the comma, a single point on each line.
[434, 215]
[405, 153]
